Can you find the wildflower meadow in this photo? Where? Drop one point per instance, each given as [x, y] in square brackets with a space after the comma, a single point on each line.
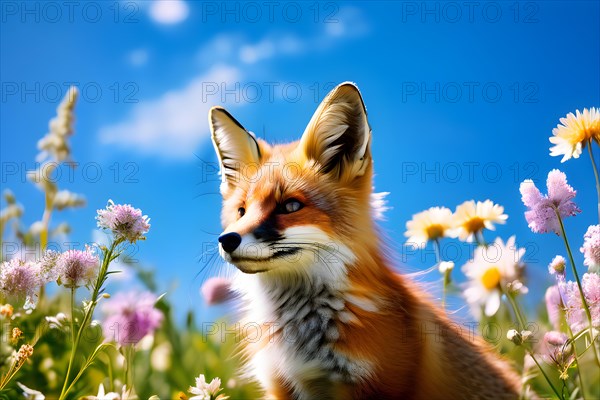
[556, 348]
[65, 335]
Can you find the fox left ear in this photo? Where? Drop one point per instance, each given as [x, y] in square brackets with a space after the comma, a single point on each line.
[235, 147]
[338, 135]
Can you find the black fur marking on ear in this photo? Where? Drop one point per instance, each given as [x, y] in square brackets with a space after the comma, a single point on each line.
[350, 142]
[231, 117]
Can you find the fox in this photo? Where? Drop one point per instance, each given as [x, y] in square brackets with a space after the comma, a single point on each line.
[336, 320]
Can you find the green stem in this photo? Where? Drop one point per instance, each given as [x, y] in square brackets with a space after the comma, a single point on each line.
[1, 240]
[438, 260]
[436, 249]
[446, 283]
[73, 315]
[129, 355]
[579, 377]
[545, 375]
[110, 374]
[565, 389]
[516, 309]
[479, 238]
[89, 362]
[87, 316]
[14, 368]
[521, 321]
[74, 343]
[583, 299]
[595, 174]
[46, 222]
[44, 235]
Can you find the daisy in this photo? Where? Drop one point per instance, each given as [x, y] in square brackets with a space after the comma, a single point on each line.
[102, 395]
[542, 209]
[206, 391]
[431, 224]
[30, 394]
[573, 133]
[470, 218]
[491, 268]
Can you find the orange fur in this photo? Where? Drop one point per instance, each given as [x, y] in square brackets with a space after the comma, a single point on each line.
[387, 340]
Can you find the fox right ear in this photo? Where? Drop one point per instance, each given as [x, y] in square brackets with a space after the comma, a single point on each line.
[234, 145]
[338, 135]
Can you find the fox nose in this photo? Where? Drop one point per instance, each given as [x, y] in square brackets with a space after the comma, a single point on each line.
[230, 241]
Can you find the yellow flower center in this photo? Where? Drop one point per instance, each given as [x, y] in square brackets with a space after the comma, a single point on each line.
[593, 132]
[434, 231]
[491, 278]
[473, 225]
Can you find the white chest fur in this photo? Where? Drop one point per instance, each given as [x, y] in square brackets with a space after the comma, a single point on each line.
[304, 316]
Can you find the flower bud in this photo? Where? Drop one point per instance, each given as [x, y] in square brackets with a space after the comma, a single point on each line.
[514, 336]
[557, 266]
[445, 266]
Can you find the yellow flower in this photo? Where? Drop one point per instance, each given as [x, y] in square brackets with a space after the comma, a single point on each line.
[470, 218]
[16, 335]
[431, 224]
[6, 310]
[573, 133]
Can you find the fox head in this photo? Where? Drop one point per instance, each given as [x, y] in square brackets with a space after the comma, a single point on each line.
[296, 208]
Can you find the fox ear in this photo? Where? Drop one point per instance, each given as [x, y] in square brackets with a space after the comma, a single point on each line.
[235, 146]
[338, 135]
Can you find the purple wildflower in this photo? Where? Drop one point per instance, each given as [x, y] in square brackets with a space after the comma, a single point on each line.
[216, 290]
[125, 221]
[541, 214]
[576, 316]
[591, 248]
[590, 284]
[20, 278]
[557, 351]
[130, 317]
[77, 268]
[553, 305]
[48, 266]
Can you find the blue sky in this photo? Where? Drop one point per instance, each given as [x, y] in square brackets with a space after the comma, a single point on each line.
[461, 97]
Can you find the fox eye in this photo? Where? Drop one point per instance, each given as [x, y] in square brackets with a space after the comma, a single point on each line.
[291, 206]
[241, 212]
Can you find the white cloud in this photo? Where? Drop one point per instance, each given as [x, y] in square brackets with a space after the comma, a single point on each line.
[173, 125]
[138, 57]
[223, 47]
[235, 48]
[270, 47]
[348, 22]
[169, 12]
[264, 49]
